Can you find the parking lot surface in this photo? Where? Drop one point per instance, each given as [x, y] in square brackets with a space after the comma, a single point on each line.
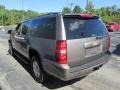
[15, 75]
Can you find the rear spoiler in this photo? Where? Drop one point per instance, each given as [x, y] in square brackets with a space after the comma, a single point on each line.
[81, 16]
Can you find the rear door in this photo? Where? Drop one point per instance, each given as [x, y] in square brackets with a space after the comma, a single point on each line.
[86, 40]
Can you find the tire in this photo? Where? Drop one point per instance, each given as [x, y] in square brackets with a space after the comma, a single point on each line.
[11, 50]
[36, 70]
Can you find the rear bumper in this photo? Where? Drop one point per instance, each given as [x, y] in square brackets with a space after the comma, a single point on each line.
[65, 73]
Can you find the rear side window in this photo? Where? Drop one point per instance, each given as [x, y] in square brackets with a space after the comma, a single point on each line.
[83, 28]
[44, 28]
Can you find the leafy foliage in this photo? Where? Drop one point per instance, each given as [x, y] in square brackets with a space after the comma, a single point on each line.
[90, 7]
[108, 14]
[67, 10]
[13, 17]
[77, 9]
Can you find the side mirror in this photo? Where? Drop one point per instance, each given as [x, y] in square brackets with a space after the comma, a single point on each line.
[10, 31]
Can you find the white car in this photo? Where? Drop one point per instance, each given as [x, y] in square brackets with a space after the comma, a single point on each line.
[1, 28]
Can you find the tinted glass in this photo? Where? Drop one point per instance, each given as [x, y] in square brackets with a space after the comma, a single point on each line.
[77, 28]
[25, 28]
[44, 28]
[18, 29]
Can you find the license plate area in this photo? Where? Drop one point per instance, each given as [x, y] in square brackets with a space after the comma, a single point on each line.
[92, 51]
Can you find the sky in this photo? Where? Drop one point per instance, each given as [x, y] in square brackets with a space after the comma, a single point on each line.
[53, 5]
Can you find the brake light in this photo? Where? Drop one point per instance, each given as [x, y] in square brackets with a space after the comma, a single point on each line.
[86, 15]
[61, 52]
[108, 41]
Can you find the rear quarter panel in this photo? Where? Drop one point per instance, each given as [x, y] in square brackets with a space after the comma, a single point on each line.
[45, 48]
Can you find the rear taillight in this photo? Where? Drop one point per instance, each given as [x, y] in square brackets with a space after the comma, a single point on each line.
[108, 41]
[61, 52]
[112, 27]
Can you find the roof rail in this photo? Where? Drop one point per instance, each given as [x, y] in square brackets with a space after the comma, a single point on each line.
[51, 13]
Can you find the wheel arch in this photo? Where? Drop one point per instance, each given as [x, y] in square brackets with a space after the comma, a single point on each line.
[32, 52]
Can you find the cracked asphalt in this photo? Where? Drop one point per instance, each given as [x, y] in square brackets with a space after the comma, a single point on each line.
[15, 75]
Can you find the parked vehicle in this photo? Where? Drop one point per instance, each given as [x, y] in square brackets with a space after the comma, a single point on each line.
[113, 27]
[67, 46]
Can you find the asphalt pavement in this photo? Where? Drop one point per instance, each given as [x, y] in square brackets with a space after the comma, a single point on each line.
[15, 75]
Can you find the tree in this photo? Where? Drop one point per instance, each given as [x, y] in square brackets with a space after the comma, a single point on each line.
[66, 10]
[2, 7]
[114, 9]
[13, 17]
[90, 6]
[77, 9]
[118, 10]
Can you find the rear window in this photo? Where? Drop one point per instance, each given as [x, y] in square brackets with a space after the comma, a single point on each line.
[83, 28]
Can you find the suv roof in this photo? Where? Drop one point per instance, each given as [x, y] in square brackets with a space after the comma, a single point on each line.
[81, 15]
